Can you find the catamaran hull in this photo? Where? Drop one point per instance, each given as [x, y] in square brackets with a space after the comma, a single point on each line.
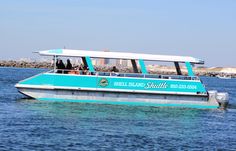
[103, 97]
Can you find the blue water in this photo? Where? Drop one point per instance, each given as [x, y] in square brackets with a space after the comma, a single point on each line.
[27, 124]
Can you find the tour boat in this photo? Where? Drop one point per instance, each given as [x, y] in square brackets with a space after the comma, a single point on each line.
[137, 88]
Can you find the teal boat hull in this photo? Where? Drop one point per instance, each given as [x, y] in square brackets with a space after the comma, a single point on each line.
[120, 98]
[117, 90]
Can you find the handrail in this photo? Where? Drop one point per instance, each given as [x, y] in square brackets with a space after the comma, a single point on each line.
[120, 74]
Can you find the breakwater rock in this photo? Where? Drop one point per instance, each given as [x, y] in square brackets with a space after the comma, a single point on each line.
[25, 64]
[152, 69]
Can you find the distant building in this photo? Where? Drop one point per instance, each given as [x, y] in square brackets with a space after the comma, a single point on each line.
[103, 61]
[100, 62]
[94, 62]
[118, 62]
[129, 64]
[123, 63]
[106, 60]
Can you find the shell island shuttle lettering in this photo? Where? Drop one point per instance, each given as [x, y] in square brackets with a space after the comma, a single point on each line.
[149, 85]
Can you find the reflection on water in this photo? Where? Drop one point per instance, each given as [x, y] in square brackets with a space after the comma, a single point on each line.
[104, 110]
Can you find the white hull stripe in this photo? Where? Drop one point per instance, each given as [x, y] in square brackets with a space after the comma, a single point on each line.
[50, 87]
[122, 77]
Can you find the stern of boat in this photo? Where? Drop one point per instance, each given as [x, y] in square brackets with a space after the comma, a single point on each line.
[222, 98]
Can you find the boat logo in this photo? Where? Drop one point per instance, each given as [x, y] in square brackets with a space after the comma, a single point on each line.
[103, 82]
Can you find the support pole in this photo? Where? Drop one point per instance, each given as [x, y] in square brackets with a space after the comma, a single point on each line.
[88, 63]
[134, 64]
[84, 62]
[55, 63]
[178, 68]
[189, 68]
[142, 66]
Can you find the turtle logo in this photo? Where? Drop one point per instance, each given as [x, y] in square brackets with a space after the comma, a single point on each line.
[103, 82]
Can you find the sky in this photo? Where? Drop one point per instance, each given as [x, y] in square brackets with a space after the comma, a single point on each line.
[203, 29]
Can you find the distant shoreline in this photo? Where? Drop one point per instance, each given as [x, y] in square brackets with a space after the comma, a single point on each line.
[201, 71]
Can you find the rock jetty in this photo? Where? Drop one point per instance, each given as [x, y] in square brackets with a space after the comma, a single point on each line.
[25, 64]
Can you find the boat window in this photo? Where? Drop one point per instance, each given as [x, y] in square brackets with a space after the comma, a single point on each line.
[93, 73]
[134, 75]
[107, 74]
[152, 76]
[101, 73]
[121, 75]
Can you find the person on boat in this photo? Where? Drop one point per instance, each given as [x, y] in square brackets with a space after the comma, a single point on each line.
[81, 67]
[78, 69]
[114, 69]
[60, 65]
[68, 65]
[86, 71]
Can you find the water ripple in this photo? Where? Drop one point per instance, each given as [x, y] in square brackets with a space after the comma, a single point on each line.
[27, 124]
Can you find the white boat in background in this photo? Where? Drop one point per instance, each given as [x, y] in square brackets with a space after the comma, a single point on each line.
[224, 77]
[137, 88]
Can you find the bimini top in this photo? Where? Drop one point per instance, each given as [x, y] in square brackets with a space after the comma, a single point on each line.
[119, 55]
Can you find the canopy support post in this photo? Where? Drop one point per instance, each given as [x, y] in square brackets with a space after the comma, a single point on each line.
[189, 68]
[88, 63]
[142, 66]
[84, 62]
[178, 70]
[135, 67]
[54, 63]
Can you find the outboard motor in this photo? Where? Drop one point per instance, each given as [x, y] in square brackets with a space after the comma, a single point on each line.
[222, 98]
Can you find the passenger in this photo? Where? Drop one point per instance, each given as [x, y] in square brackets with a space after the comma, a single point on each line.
[68, 65]
[60, 65]
[86, 71]
[114, 69]
[75, 70]
[81, 67]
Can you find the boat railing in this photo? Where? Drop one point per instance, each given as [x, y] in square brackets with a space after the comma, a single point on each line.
[120, 74]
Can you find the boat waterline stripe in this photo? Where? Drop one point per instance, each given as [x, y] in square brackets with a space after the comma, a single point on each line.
[131, 103]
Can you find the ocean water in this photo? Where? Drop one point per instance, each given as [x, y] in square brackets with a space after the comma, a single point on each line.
[27, 124]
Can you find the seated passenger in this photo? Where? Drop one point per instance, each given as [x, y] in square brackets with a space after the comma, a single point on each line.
[81, 67]
[86, 71]
[60, 65]
[114, 69]
[68, 65]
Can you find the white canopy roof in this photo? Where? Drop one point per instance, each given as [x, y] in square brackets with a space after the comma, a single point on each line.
[119, 55]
